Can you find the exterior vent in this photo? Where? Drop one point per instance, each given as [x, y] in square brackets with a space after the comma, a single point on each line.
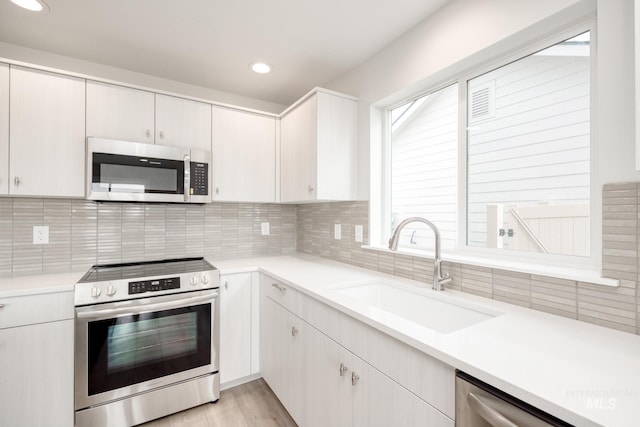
[482, 102]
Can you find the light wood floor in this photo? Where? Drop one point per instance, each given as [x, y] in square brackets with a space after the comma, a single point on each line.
[248, 405]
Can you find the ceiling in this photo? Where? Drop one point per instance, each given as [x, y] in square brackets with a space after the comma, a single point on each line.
[210, 43]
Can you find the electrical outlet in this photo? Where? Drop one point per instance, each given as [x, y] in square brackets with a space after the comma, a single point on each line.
[264, 228]
[337, 231]
[358, 233]
[40, 234]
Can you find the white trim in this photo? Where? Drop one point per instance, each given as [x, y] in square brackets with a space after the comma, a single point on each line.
[566, 271]
[543, 264]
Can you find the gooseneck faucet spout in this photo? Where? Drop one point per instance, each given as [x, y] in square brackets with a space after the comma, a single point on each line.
[439, 279]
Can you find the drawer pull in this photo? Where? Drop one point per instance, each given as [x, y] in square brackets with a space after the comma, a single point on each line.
[294, 331]
[1, 305]
[280, 288]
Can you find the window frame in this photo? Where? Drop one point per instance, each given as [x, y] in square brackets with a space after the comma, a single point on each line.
[382, 221]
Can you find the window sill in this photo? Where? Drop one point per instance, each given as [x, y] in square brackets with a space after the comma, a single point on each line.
[578, 273]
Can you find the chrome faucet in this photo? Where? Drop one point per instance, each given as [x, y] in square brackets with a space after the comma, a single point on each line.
[439, 279]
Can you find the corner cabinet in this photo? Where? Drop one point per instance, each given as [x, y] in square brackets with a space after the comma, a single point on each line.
[36, 390]
[244, 156]
[319, 144]
[4, 128]
[316, 361]
[46, 134]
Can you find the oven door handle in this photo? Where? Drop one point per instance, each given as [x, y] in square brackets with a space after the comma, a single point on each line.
[105, 314]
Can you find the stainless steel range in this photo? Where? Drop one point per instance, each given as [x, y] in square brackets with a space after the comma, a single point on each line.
[147, 340]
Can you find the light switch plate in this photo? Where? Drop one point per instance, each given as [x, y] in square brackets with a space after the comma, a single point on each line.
[337, 231]
[40, 234]
[264, 228]
[358, 233]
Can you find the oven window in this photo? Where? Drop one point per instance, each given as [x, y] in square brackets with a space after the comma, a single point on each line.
[133, 349]
[130, 174]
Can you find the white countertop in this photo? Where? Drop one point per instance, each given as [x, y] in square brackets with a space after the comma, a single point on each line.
[582, 373]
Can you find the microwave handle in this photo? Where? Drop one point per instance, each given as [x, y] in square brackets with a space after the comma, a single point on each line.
[187, 178]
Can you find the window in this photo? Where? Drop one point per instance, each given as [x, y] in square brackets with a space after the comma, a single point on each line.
[524, 146]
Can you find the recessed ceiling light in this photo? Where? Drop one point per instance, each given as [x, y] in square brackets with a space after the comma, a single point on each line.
[32, 5]
[260, 67]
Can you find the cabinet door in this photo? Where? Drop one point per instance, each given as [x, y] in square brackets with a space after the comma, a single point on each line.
[183, 123]
[36, 390]
[379, 401]
[4, 129]
[244, 156]
[337, 147]
[118, 112]
[274, 342]
[235, 326]
[298, 151]
[46, 134]
[328, 387]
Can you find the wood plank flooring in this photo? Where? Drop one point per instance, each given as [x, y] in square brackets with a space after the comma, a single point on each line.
[248, 405]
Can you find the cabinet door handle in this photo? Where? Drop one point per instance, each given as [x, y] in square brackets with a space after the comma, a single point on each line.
[16, 181]
[343, 369]
[148, 133]
[217, 190]
[1, 305]
[280, 288]
[161, 134]
[294, 331]
[310, 189]
[354, 378]
[226, 285]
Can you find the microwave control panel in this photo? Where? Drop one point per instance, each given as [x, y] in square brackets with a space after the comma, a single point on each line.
[199, 179]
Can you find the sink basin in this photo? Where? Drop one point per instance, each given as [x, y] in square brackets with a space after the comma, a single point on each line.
[432, 313]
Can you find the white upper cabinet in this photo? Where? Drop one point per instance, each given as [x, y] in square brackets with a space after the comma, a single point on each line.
[319, 148]
[4, 129]
[244, 156]
[46, 134]
[118, 112]
[183, 123]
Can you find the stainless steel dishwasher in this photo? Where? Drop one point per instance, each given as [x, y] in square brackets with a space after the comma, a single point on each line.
[480, 405]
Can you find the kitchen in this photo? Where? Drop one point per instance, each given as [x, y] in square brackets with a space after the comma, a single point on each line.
[261, 231]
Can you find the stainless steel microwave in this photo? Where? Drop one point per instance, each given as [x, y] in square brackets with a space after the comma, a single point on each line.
[137, 172]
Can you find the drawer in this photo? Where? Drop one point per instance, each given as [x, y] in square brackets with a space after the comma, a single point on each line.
[31, 309]
[281, 293]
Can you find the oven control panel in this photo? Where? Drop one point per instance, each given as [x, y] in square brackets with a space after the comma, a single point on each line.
[155, 285]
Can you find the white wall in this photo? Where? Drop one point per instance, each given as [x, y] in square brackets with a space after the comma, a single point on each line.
[63, 63]
[467, 33]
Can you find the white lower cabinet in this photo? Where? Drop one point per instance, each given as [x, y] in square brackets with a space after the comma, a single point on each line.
[321, 383]
[36, 361]
[239, 327]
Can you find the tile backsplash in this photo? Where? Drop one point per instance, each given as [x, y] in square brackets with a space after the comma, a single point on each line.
[83, 233]
[616, 308]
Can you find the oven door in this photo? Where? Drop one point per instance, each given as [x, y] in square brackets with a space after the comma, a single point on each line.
[134, 346]
[131, 171]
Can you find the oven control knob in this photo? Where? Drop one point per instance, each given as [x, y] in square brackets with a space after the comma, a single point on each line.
[205, 279]
[111, 290]
[95, 292]
[194, 280]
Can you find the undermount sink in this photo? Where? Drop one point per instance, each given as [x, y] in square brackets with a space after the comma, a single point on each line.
[432, 313]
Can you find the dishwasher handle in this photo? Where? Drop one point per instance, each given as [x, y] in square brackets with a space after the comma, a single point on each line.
[490, 415]
[143, 308]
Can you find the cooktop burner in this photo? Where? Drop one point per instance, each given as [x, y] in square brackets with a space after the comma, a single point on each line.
[136, 270]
